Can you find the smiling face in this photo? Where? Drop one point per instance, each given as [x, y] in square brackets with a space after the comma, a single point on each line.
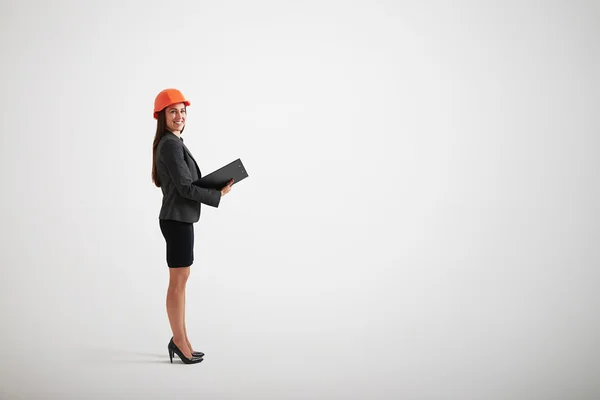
[175, 115]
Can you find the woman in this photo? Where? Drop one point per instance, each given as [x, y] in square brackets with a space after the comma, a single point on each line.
[173, 170]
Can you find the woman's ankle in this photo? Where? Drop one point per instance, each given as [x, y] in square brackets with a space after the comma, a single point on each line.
[182, 345]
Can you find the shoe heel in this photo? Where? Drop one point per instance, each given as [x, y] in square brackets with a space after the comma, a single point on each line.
[171, 353]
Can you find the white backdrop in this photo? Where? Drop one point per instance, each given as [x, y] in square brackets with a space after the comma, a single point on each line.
[420, 220]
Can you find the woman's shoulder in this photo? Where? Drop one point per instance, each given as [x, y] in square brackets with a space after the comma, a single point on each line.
[169, 144]
[170, 140]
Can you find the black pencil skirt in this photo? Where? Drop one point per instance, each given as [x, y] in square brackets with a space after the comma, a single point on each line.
[179, 237]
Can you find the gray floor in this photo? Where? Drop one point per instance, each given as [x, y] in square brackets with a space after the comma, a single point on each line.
[465, 336]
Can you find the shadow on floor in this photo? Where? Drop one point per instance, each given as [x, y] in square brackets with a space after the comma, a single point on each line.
[111, 355]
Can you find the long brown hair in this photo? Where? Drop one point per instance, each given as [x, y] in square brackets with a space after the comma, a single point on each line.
[161, 131]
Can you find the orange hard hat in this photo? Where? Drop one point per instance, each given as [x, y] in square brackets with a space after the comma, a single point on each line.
[166, 98]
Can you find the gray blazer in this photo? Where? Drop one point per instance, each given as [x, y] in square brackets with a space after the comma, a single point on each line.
[177, 169]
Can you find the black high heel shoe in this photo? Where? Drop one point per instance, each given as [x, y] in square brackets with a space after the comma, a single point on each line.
[173, 349]
[197, 354]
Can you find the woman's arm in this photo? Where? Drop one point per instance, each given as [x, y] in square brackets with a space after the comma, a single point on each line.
[171, 154]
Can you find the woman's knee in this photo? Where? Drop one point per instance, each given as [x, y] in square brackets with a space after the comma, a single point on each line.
[178, 277]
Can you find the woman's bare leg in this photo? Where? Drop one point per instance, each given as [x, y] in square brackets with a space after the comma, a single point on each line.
[176, 307]
[184, 327]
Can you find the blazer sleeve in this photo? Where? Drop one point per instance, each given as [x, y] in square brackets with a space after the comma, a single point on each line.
[171, 154]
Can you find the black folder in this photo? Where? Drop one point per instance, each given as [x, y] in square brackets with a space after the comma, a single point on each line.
[218, 179]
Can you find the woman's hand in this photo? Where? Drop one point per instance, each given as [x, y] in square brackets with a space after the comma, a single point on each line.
[227, 188]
